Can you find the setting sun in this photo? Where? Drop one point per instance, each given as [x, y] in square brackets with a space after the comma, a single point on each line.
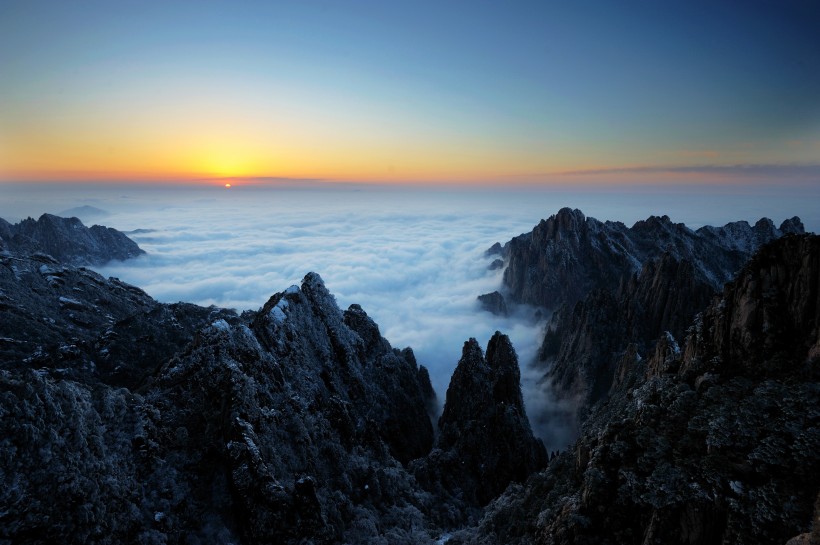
[227, 186]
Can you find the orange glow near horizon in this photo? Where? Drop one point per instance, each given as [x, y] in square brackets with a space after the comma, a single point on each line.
[246, 155]
[390, 93]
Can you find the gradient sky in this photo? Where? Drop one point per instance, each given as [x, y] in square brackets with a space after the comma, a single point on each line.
[410, 91]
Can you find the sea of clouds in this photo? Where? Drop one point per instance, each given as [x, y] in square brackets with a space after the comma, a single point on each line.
[412, 258]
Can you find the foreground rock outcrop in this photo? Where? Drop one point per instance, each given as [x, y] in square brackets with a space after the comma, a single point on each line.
[287, 424]
[715, 442]
[124, 420]
[81, 326]
[584, 343]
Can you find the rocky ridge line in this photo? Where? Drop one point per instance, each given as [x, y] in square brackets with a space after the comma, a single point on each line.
[614, 286]
[714, 442]
[128, 420]
[568, 255]
[67, 240]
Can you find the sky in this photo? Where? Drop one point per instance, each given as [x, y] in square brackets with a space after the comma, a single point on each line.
[424, 91]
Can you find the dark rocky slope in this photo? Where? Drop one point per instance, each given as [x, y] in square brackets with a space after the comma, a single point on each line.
[613, 286]
[485, 441]
[67, 240]
[716, 443]
[123, 420]
[583, 343]
[82, 326]
[568, 255]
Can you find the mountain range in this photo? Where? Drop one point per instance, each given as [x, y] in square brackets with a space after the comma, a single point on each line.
[693, 354]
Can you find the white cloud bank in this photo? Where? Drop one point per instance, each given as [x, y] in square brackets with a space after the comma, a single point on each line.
[413, 259]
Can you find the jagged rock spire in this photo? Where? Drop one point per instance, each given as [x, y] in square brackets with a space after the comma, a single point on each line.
[485, 440]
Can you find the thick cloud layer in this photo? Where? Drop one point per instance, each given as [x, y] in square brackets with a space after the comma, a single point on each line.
[414, 259]
[415, 264]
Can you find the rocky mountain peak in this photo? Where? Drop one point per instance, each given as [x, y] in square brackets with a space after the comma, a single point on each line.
[506, 375]
[68, 240]
[485, 441]
[568, 255]
[480, 384]
[655, 222]
[714, 440]
[493, 302]
[471, 375]
[569, 220]
[792, 226]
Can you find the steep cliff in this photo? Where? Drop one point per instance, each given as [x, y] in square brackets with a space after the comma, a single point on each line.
[127, 420]
[84, 327]
[568, 255]
[583, 343]
[485, 441]
[717, 442]
[612, 287]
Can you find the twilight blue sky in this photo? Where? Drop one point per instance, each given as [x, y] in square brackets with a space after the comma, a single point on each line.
[412, 91]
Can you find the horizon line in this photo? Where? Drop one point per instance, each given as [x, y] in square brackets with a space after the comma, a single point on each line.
[702, 173]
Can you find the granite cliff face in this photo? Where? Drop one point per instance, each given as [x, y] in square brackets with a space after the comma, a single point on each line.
[67, 240]
[768, 319]
[284, 425]
[568, 255]
[584, 342]
[81, 326]
[715, 442]
[485, 441]
[611, 287]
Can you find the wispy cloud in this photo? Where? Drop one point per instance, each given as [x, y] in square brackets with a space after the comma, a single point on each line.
[741, 170]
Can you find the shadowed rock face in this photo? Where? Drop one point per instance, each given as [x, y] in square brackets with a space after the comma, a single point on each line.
[769, 317]
[67, 240]
[286, 424]
[84, 327]
[568, 255]
[128, 420]
[493, 302]
[485, 441]
[615, 287]
[583, 343]
[714, 442]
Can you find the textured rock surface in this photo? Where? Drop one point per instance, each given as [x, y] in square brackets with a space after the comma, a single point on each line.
[583, 343]
[568, 255]
[716, 443]
[81, 326]
[493, 302]
[613, 287]
[485, 441]
[67, 240]
[126, 420]
[285, 425]
[768, 320]
[123, 420]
